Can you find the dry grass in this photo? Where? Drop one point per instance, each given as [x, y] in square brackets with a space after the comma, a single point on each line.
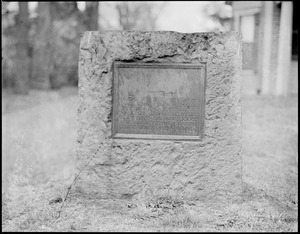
[39, 142]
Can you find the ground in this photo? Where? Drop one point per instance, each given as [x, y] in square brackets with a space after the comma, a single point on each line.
[38, 153]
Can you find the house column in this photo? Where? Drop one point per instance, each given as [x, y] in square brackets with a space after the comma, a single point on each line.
[267, 46]
[284, 48]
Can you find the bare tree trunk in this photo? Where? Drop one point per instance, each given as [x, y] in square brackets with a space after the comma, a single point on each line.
[22, 60]
[93, 14]
[124, 15]
[138, 15]
[42, 62]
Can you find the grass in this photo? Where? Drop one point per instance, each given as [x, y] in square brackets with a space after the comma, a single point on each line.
[38, 155]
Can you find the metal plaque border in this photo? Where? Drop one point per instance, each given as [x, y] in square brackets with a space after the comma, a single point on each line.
[115, 99]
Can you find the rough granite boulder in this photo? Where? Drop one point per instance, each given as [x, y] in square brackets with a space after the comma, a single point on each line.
[210, 169]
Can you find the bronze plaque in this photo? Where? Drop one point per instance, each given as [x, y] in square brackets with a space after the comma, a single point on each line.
[158, 101]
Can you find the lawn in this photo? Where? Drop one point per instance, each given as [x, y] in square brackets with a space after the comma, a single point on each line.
[38, 158]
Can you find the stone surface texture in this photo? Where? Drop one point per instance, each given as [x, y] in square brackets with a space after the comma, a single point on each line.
[210, 169]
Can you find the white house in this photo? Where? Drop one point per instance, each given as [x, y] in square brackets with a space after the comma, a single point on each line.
[270, 45]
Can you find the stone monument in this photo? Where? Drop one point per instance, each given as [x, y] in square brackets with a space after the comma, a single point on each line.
[161, 109]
